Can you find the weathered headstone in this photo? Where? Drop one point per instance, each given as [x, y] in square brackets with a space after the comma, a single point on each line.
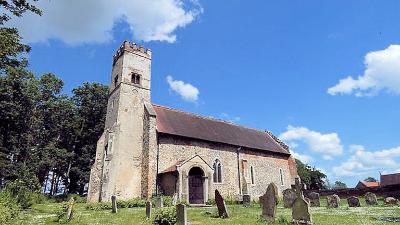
[391, 201]
[246, 200]
[174, 199]
[314, 199]
[219, 201]
[370, 199]
[301, 208]
[353, 201]
[181, 215]
[70, 210]
[289, 195]
[148, 209]
[114, 204]
[269, 201]
[333, 201]
[159, 202]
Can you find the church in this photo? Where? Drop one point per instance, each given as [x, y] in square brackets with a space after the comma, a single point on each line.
[148, 149]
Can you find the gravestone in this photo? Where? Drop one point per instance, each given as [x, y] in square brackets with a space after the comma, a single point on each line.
[370, 199]
[181, 214]
[391, 201]
[148, 210]
[114, 204]
[174, 199]
[219, 201]
[314, 199]
[269, 201]
[289, 195]
[353, 201]
[70, 210]
[333, 201]
[159, 202]
[246, 200]
[301, 208]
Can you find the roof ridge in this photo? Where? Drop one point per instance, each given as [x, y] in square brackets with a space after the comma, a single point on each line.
[210, 118]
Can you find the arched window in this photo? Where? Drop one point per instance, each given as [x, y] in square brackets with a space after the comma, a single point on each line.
[135, 78]
[217, 177]
[281, 175]
[252, 174]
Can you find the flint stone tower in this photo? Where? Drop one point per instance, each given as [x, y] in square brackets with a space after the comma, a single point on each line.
[122, 164]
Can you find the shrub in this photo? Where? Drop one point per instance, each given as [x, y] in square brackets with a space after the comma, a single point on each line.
[22, 190]
[210, 201]
[165, 216]
[9, 208]
[168, 201]
[131, 203]
[99, 206]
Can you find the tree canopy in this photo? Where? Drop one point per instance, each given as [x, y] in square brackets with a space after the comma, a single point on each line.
[310, 176]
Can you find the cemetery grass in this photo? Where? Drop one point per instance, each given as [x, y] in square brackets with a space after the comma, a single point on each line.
[46, 214]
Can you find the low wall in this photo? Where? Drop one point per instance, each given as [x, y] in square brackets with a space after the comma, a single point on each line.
[387, 191]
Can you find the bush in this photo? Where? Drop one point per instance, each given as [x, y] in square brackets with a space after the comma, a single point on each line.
[131, 203]
[165, 216]
[99, 206]
[210, 201]
[23, 189]
[62, 212]
[39, 198]
[9, 208]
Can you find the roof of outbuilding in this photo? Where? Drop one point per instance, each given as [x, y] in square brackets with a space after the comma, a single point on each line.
[175, 122]
[390, 179]
[370, 184]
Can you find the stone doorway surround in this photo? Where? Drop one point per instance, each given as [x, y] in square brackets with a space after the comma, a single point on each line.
[182, 183]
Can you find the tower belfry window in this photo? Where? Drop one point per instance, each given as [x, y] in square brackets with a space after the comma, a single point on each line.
[135, 78]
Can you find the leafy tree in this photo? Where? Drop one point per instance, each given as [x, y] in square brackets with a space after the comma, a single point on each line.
[339, 185]
[370, 179]
[310, 176]
[17, 8]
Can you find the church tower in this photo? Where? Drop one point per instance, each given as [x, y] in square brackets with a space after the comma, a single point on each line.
[122, 155]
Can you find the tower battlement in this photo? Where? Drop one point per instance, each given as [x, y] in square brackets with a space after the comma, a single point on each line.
[133, 48]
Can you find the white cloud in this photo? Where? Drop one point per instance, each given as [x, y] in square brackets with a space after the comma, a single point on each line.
[382, 73]
[187, 91]
[364, 162]
[77, 21]
[327, 144]
[303, 158]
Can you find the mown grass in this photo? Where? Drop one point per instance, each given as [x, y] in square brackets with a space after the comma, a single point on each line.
[46, 214]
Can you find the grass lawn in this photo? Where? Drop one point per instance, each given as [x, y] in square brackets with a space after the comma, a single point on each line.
[45, 214]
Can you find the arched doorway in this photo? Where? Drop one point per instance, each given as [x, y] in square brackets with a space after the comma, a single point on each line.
[196, 186]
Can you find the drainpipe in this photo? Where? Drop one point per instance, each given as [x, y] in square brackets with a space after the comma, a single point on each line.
[238, 168]
[158, 153]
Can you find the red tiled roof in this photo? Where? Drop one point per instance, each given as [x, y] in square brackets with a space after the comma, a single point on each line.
[370, 184]
[174, 122]
[390, 179]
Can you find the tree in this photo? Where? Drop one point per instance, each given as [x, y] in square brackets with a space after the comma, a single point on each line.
[310, 176]
[370, 179]
[17, 8]
[339, 185]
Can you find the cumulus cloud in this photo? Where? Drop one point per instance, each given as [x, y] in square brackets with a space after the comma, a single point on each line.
[187, 91]
[364, 162]
[328, 145]
[77, 21]
[302, 157]
[382, 72]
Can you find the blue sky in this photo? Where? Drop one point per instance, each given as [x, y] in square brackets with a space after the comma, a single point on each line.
[322, 75]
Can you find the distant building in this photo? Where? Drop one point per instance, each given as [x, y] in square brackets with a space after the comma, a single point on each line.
[367, 184]
[390, 179]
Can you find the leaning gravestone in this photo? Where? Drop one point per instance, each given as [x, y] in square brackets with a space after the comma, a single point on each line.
[219, 201]
[289, 195]
[333, 201]
[70, 210]
[370, 199]
[114, 204]
[314, 199]
[353, 201]
[391, 201]
[148, 209]
[181, 215]
[246, 200]
[301, 208]
[269, 201]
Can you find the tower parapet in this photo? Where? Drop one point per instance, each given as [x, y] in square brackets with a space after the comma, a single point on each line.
[133, 48]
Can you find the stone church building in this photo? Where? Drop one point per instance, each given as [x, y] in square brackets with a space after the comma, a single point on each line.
[148, 149]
